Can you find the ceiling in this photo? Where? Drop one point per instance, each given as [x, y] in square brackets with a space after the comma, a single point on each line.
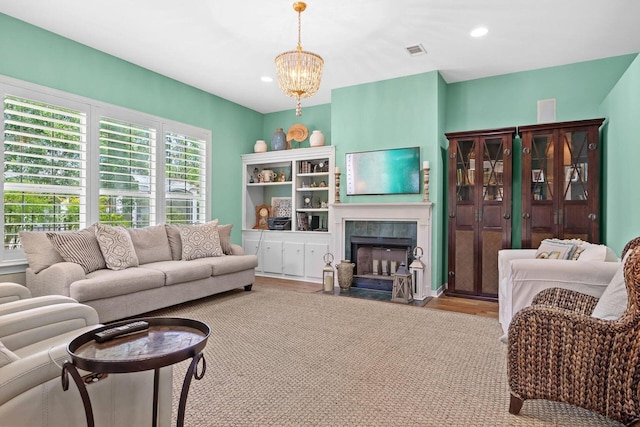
[225, 46]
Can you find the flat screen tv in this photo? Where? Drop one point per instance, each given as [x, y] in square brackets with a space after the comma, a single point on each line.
[392, 171]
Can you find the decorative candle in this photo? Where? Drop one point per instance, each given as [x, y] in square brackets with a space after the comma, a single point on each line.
[425, 164]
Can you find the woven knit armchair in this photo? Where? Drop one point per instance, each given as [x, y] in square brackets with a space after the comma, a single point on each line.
[557, 351]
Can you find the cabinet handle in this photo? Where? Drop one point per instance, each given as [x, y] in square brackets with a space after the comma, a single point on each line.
[526, 216]
[592, 146]
[526, 150]
[507, 216]
[592, 216]
[452, 273]
[507, 152]
[452, 215]
[452, 155]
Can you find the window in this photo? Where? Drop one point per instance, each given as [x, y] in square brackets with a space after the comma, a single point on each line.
[69, 162]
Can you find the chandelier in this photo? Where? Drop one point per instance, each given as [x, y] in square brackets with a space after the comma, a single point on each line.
[299, 72]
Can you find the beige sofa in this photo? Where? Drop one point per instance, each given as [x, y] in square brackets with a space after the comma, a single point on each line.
[126, 272]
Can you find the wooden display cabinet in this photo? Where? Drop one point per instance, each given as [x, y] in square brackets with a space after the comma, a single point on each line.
[560, 181]
[480, 192]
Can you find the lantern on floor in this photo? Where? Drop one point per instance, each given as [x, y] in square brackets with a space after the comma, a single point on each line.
[328, 274]
[417, 270]
[402, 288]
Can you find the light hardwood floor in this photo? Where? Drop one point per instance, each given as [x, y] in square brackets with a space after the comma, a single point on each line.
[457, 304]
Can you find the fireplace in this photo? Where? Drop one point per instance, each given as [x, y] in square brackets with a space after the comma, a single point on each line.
[386, 220]
[377, 259]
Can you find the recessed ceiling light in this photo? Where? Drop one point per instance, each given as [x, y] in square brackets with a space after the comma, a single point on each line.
[479, 32]
[266, 79]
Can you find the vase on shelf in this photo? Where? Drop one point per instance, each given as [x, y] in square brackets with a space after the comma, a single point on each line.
[316, 139]
[260, 146]
[345, 273]
[279, 140]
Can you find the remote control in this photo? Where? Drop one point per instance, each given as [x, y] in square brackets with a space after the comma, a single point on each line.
[129, 328]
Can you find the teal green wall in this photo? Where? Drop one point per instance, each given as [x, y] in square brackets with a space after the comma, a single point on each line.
[621, 197]
[38, 56]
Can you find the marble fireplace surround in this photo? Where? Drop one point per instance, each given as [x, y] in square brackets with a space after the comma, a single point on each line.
[418, 213]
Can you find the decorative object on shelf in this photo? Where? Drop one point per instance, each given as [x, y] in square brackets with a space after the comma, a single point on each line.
[417, 268]
[263, 212]
[282, 177]
[303, 221]
[337, 174]
[260, 146]
[402, 289]
[281, 207]
[306, 201]
[267, 175]
[256, 175]
[297, 133]
[345, 274]
[299, 72]
[425, 169]
[316, 139]
[376, 266]
[328, 276]
[279, 140]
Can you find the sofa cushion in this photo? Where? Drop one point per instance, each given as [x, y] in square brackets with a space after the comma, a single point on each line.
[225, 238]
[200, 240]
[116, 246]
[38, 250]
[231, 264]
[6, 356]
[151, 243]
[555, 249]
[80, 247]
[110, 283]
[176, 272]
[175, 243]
[613, 301]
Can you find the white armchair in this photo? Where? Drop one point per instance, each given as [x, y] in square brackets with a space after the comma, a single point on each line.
[33, 348]
[521, 276]
[15, 297]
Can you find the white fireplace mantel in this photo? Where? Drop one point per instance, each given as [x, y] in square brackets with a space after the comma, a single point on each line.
[418, 213]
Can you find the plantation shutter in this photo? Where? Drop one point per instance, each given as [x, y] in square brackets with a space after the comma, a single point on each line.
[185, 178]
[44, 151]
[127, 173]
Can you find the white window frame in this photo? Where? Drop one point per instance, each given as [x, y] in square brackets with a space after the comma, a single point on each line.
[94, 109]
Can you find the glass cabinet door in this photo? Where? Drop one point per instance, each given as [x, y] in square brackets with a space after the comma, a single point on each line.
[542, 161]
[492, 169]
[575, 184]
[465, 170]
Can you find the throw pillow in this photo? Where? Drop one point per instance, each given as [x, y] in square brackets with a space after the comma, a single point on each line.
[38, 250]
[6, 356]
[80, 247]
[225, 238]
[116, 246]
[555, 249]
[200, 240]
[593, 252]
[613, 301]
[151, 243]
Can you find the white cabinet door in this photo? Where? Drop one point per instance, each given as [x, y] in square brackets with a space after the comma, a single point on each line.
[313, 259]
[272, 256]
[251, 247]
[293, 258]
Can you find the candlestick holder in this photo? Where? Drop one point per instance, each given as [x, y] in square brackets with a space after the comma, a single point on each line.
[337, 198]
[426, 184]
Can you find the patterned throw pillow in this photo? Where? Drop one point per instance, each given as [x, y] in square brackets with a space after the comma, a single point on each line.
[200, 241]
[555, 249]
[116, 246]
[80, 247]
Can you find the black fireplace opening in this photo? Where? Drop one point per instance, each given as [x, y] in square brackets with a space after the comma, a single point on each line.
[377, 259]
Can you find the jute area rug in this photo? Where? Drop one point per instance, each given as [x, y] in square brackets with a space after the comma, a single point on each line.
[286, 358]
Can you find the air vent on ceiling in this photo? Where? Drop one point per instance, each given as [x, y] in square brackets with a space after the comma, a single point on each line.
[415, 50]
